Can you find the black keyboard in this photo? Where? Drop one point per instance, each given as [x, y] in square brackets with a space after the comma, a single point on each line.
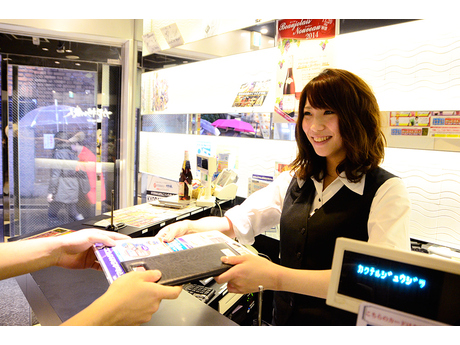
[203, 293]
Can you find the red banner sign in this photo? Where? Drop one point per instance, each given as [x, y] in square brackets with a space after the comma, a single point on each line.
[306, 29]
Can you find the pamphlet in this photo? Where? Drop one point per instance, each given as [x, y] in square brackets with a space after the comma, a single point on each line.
[257, 182]
[143, 215]
[111, 258]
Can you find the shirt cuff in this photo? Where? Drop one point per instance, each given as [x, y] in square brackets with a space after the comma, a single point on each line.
[241, 225]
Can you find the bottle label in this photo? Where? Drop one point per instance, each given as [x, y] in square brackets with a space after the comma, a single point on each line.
[289, 103]
[181, 188]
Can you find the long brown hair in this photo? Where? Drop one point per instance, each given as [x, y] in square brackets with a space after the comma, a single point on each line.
[359, 124]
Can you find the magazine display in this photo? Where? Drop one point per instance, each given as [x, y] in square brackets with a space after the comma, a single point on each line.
[112, 258]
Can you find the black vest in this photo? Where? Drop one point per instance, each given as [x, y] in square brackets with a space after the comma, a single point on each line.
[308, 243]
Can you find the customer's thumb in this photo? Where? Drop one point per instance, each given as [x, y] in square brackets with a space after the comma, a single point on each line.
[152, 275]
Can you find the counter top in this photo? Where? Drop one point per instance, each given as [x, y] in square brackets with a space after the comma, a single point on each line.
[56, 294]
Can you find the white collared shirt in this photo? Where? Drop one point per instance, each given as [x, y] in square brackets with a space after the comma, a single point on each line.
[389, 215]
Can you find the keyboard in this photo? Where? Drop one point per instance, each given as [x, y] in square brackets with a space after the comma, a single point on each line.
[203, 293]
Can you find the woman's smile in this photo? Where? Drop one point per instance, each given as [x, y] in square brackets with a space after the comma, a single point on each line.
[320, 139]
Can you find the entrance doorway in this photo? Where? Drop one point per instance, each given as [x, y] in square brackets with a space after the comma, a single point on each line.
[58, 116]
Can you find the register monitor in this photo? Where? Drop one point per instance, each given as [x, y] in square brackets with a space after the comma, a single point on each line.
[412, 282]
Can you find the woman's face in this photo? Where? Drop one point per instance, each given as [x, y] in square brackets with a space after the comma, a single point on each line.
[321, 126]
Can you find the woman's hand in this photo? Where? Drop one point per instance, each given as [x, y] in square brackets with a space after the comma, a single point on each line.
[170, 232]
[249, 271]
[177, 229]
[76, 250]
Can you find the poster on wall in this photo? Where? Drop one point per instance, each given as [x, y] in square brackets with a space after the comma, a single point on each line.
[151, 43]
[410, 123]
[305, 48]
[154, 93]
[172, 35]
[445, 124]
[252, 94]
[434, 124]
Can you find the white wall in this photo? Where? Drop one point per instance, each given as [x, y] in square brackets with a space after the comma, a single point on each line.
[433, 181]
[412, 66]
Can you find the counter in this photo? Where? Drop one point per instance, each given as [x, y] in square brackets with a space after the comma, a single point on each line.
[56, 294]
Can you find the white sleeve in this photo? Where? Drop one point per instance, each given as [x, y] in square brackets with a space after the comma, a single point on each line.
[260, 211]
[389, 216]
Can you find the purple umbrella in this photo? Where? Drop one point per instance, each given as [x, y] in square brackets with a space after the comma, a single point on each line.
[237, 125]
[207, 127]
[56, 115]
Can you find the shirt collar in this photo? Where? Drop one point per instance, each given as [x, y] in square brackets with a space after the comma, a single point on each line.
[357, 187]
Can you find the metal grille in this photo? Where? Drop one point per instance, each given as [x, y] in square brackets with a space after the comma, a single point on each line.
[165, 123]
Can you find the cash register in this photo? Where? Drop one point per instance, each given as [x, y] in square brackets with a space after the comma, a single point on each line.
[411, 282]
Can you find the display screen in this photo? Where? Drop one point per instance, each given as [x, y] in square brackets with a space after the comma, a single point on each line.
[201, 162]
[413, 289]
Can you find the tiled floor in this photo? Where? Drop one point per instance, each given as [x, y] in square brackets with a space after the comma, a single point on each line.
[14, 308]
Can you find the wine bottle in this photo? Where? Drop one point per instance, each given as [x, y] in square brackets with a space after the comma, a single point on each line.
[289, 89]
[185, 179]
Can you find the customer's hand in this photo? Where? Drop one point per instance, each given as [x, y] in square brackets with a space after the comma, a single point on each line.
[177, 229]
[76, 250]
[130, 301]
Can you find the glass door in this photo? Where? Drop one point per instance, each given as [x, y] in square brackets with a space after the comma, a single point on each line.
[60, 141]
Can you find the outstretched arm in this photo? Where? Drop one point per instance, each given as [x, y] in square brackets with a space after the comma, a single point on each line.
[250, 271]
[222, 224]
[68, 251]
[130, 300]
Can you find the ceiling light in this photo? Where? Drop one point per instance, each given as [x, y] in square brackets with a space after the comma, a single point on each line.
[60, 47]
[256, 40]
[45, 49]
[264, 31]
[69, 50]
[72, 57]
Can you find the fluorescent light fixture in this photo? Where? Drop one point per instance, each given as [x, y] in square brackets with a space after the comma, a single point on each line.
[256, 40]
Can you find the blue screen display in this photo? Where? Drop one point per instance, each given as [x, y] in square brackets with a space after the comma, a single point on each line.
[398, 278]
